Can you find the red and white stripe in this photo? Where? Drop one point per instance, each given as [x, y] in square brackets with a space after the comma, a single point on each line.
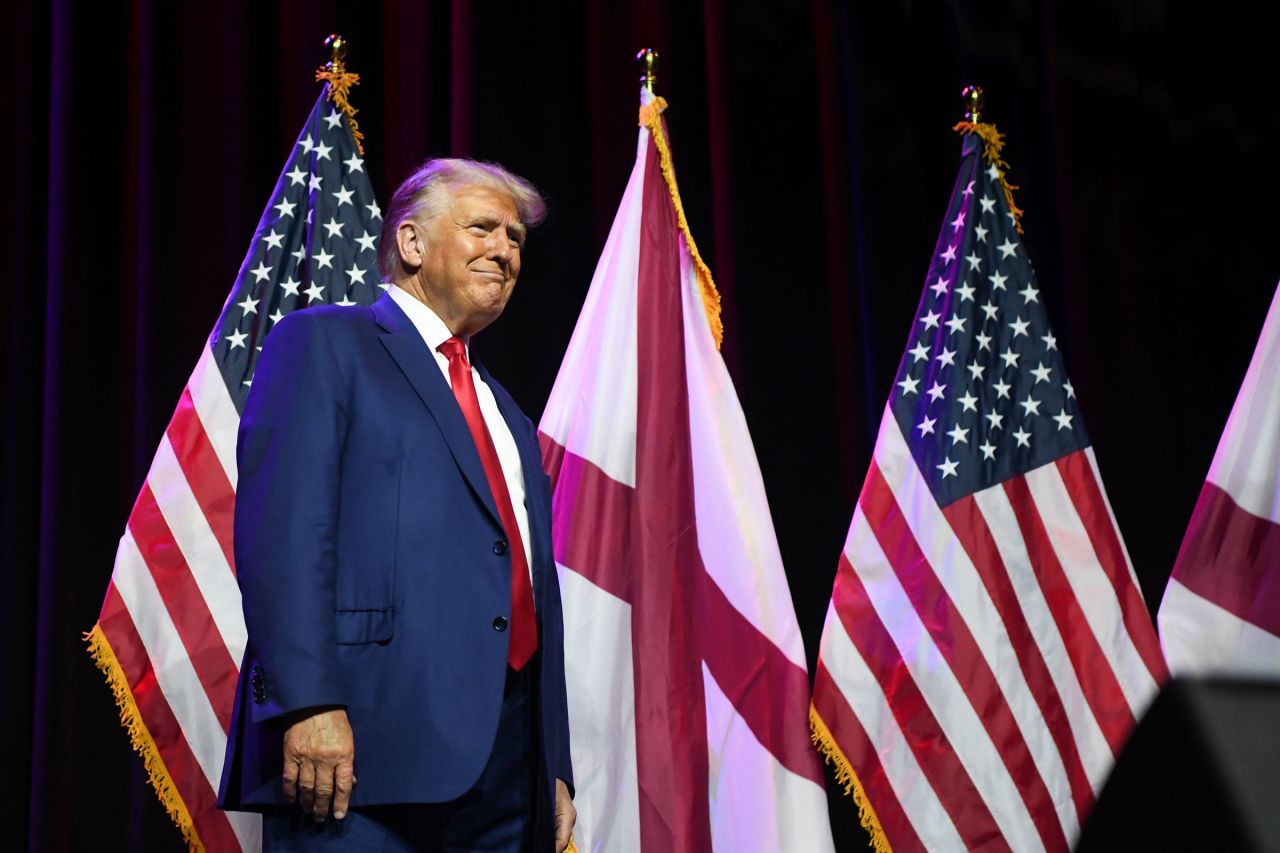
[983, 662]
[686, 671]
[172, 612]
[1221, 609]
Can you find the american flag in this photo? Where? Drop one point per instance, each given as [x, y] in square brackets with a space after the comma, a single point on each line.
[1221, 609]
[171, 633]
[987, 649]
[686, 672]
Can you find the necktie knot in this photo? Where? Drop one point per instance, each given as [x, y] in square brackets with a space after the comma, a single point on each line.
[454, 350]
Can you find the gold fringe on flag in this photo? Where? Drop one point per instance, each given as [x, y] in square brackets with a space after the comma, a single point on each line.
[340, 81]
[105, 659]
[651, 118]
[993, 145]
[845, 776]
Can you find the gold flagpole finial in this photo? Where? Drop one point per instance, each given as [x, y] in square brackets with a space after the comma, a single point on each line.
[647, 59]
[973, 103]
[337, 47]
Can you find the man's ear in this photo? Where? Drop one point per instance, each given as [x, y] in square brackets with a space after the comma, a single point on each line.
[409, 244]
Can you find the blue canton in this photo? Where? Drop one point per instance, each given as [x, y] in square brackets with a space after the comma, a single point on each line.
[316, 243]
[981, 393]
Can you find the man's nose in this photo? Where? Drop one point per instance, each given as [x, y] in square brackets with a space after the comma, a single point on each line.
[500, 245]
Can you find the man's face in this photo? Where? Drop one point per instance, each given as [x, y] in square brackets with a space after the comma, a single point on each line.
[472, 258]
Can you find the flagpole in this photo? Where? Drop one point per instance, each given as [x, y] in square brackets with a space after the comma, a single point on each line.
[647, 59]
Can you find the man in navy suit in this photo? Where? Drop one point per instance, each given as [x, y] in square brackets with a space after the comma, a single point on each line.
[393, 546]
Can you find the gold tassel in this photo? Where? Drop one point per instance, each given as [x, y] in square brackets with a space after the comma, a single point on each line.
[340, 82]
[105, 659]
[845, 777]
[651, 118]
[993, 145]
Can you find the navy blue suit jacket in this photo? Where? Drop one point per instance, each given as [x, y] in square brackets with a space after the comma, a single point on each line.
[373, 565]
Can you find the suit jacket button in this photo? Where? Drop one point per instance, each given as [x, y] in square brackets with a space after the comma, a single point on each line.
[500, 548]
[500, 624]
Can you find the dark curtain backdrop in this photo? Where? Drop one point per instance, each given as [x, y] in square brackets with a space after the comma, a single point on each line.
[815, 155]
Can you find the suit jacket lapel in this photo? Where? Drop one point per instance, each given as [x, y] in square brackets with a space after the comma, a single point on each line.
[410, 352]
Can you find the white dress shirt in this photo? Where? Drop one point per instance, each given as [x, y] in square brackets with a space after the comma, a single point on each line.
[435, 332]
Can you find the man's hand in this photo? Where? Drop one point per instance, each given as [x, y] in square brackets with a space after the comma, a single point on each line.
[566, 816]
[319, 764]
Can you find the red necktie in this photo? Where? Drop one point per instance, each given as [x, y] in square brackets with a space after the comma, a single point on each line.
[524, 627]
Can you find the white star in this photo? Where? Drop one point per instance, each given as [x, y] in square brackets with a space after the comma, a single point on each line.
[998, 280]
[355, 275]
[959, 221]
[955, 324]
[324, 259]
[969, 189]
[297, 176]
[966, 291]
[1031, 406]
[334, 227]
[975, 261]
[1010, 358]
[249, 306]
[249, 381]
[315, 182]
[300, 253]
[996, 419]
[969, 402]
[958, 435]
[926, 425]
[948, 469]
[1063, 419]
[988, 204]
[273, 240]
[291, 286]
[333, 119]
[1029, 293]
[991, 310]
[307, 144]
[1002, 389]
[276, 316]
[1071, 392]
[263, 272]
[1041, 373]
[1019, 327]
[937, 392]
[237, 339]
[285, 207]
[939, 287]
[343, 196]
[1050, 342]
[1023, 437]
[1008, 248]
[981, 232]
[322, 151]
[976, 370]
[930, 320]
[366, 242]
[374, 212]
[315, 292]
[993, 173]
[345, 301]
[984, 341]
[947, 357]
[1013, 220]
[988, 450]
[908, 386]
[384, 285]
[354, 164]
[919, 352]
[949, 254]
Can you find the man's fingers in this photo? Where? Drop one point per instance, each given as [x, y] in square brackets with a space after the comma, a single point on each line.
[323, 793]
[290, 779]
[344, 779]
[306, 784]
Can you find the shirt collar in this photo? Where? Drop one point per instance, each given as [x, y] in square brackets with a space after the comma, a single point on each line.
[426, 321]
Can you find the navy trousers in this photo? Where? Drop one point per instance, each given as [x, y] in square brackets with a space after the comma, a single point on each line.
[497, 814]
